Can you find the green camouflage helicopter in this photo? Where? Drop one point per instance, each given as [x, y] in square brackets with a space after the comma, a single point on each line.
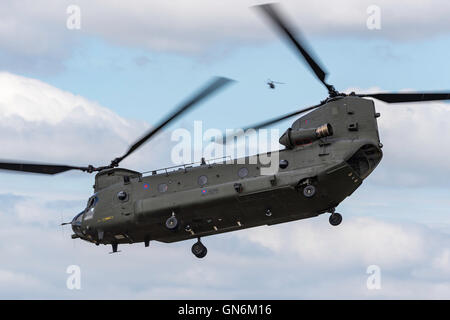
[328, 153]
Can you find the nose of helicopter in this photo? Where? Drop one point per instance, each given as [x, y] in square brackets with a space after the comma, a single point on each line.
[76, 224]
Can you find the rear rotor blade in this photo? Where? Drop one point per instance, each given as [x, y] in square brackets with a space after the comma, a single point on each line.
[207, 91]
[39, 168]
[271, 121]
[299, 44]
[408, 97]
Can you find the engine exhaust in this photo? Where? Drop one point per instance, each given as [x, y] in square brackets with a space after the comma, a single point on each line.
[292, 138]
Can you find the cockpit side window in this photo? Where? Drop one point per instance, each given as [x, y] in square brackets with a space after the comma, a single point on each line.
[90, 208]
[92, 202]
[78, 218]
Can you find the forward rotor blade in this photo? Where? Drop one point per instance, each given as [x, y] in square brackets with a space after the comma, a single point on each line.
[214, 85]
[408, 97]
[298, 43]
[270, 122]
[38, 167]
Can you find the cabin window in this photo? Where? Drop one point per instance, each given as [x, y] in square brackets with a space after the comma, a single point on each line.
[122, 196]
[202, 180]
[284, 164]
[162, 187]
[243, 172]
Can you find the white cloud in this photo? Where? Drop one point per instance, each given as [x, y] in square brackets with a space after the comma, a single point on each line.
[35, 33]
[39, 122]
[416, 143]
[442, 262]
[414, 260]
[304, 259]
[36, 101]
[381, 243]
[14, 279]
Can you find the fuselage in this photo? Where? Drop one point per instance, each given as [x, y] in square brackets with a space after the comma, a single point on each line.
[129, 207]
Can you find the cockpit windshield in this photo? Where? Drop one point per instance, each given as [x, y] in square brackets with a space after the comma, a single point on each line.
[90, 207]
[77, 219]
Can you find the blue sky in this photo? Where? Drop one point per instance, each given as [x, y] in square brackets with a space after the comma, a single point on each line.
[81, 96]
[352, 62]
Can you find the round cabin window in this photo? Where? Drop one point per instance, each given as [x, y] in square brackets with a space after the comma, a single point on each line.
[284, 164]
[243, 172]
[162, 187]
[122, 196]
[202, 180]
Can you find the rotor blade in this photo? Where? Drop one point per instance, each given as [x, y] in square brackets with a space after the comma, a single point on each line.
[298, 43]
[408, 97]
[214, 85]
[38, 167]
[270, 122]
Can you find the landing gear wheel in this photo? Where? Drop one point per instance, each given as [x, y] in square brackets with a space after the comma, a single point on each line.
[172, 223]
[309, 191]
[199, 250]
[335, 219]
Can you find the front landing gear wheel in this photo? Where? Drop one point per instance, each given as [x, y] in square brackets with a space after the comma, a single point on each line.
[172, 223]
[309, 191]
[199, 250]
[335, 219]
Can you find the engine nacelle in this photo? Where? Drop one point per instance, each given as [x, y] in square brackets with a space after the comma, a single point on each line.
[292, 138]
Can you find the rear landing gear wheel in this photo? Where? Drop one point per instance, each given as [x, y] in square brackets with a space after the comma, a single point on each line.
[199, 250]
[172, 223]
[335, 219]
[309, 191]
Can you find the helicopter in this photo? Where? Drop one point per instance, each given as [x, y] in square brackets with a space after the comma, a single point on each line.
[272, 83]
[328, 152]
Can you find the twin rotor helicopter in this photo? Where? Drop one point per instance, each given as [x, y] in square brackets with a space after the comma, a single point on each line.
[329, 151]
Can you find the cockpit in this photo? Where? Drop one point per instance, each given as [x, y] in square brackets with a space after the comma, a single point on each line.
[90, 208]
[84, 215]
